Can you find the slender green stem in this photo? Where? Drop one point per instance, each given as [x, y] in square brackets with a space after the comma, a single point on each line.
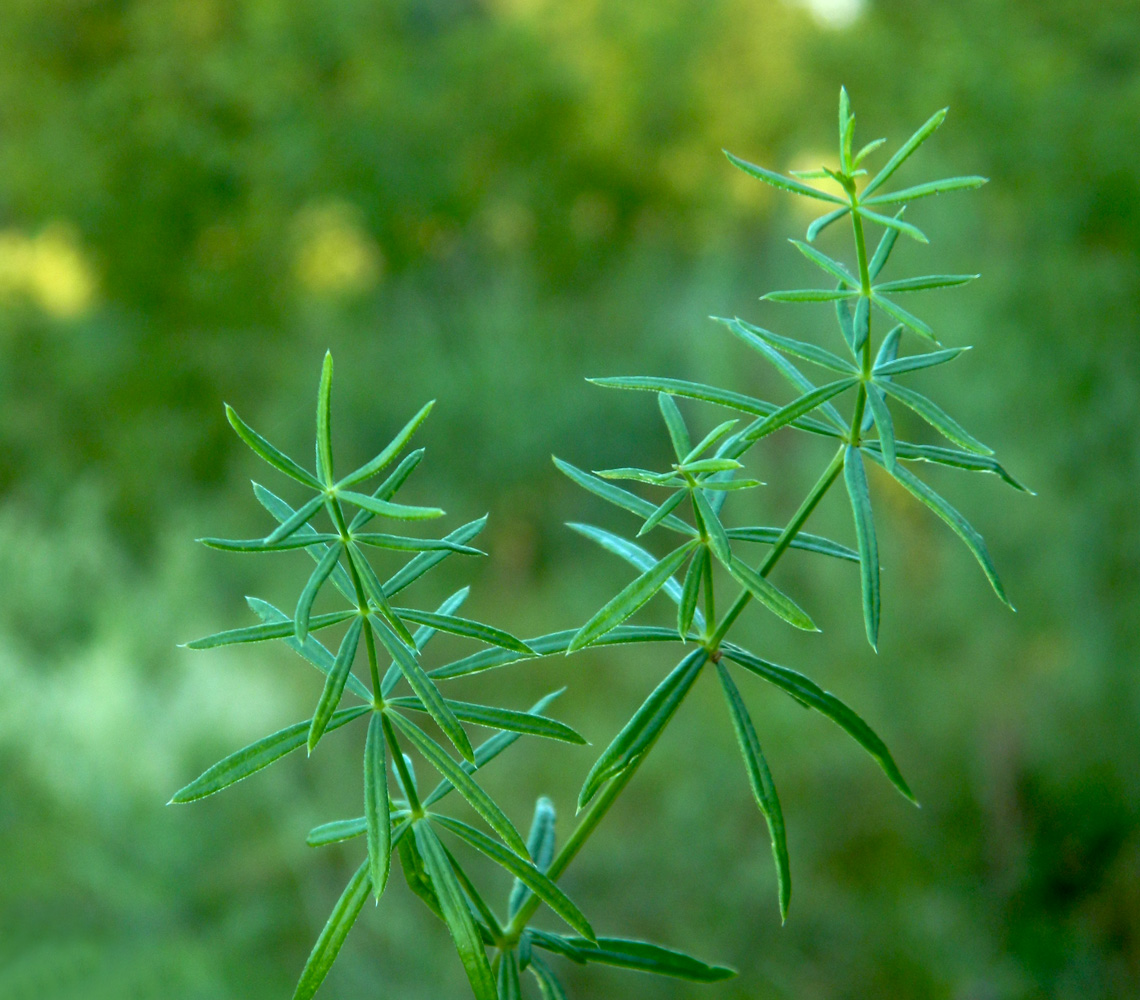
[401, 766]
[710, 597]
[865, 289]
[361, 601]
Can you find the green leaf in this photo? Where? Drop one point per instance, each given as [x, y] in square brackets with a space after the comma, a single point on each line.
[283, 512]
[621, 498]
[846, 130]
[334, 682]
[384, 508]
[883, 250]
[781, 182]
[710, 439]
[718, 486]
[548, 984]
[490, 930]
[521, 869]
[387, 489]
[718, 540]
[310, 649]
[509, 986]
[846, 325]
[377, 819]
[479, 800]
[808, 693]
[908, 319]
[259, 544]
[885, 426]
[866, 151]
[827, 264]
[926, 281]
[763, 788]
[631, 597]
[769, 595]
[958, 524]
[309, 594]
[954, 458]
[904, 152]
[926, 190]
[639, 733]
[417, 567]
[279, 460]
[415, 874]
[261, 633]
[305, 513]
[251, 759]
[916, 361]
[678, 432]
[640, 476]
[936, 417]
[401, 543]
[421, 638]
[502, 718]
[893, 223]
[391, 450]
[797, 408]
[820, 224]
[641, 957]
[489, 750]
[453, 905]
[707, 393]
[556, 642]
[810, 295]
[333, 935]
[424, 688]
[540, 848]
[809, 352]
[855, 476]
[375, 593]
[324, 420]
[662, 511]
[802, 540]
[861, 327]
[710, 465]
[336, 831]
[688, 604]
[467, 628]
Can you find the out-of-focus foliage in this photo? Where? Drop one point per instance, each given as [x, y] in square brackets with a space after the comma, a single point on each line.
[496, 199]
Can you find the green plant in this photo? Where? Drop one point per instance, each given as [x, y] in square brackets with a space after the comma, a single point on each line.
[397, 817]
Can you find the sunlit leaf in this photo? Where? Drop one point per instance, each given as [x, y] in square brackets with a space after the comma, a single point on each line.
[621, 498]
[781, 182]
[925, 190]
[904, 152]
[324, 420]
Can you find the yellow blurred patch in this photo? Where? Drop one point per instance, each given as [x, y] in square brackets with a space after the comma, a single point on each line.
[334, 253]
[50, 270]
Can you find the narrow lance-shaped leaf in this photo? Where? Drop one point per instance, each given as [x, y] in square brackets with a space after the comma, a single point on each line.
[385, 508]
[548, 984]
[421, 638]
[802, 540]
[893, 223]
[855, 477]
[662, 511]
[779, 181]
[798, 408]
[376, 816]
[934, 415]
[809, 295]
[883, 423]
[809, 352]
[861, 325]
[417, 567]
[619, 497]
[279, 460]
[266, 631]
[675, 423]
[509, 986]
[904, 152]
[808, 693]
[846, 130]
[915, 362]
[334, 683]
[883, 250]
[479, 800]
[374, 591]
[391, 450]
[283, 512]
[337, 831]
[958, 524]
[251, 759]
[827, 264]
[333, 935]
[760, 780]
[324, 420]
[309, 594]
[387, 489]
[401, 543]
[926, 190]
[644, 725]
[631, 597]
[540, 848]
[710, 439]
[424, 688]
[467, 628]
[925, 282]
[953, 458]
[638, 955]
[453, 905]
[296, 541]
[305, 513]
[820, 224]
[718, 540]
[690, 591]
[523, 870]
[501, 718]
[774, 599]
[901, 315]
[867, 151]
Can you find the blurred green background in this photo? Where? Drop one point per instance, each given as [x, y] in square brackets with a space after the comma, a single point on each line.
[486, 201]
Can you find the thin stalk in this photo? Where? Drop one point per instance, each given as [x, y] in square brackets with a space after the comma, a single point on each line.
[362, 603]
[710, 598]
[865, 289]
[414, 804]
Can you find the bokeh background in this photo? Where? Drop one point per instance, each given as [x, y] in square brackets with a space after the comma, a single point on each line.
[484, 202]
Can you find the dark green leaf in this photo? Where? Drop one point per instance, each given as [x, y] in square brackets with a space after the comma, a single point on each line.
[638, 734]
[809, 352]
[540, 847]
[904, 152]
[954, 458]
[763, 788]
[421, 637]
[916, 361]
[548, 984]
[334, 682]
[509, 987]
[295, 541]
[387, 489]
[502, 718]
[936, 417]
[779, 181]
[415, 874]
[640, 956]
[335, 931]
[374, 591]
[798, 408]
[480, 801]
[622, 498]
[256, 756]
[883, 423]
[689, 592]
[807, 692]
[631, 597]
[305, 513]
[774, 599]
[283, 512]
[384, 508]
[401, 543]
[662, 511]
[324, 420]
[855, 476]
[453, 905]
[279, 460]
[417, 567]
[802, 540]
[678, 432]
[309, 594]
[376, 816]
[718, 540]
[466, 627]
[393, 448]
